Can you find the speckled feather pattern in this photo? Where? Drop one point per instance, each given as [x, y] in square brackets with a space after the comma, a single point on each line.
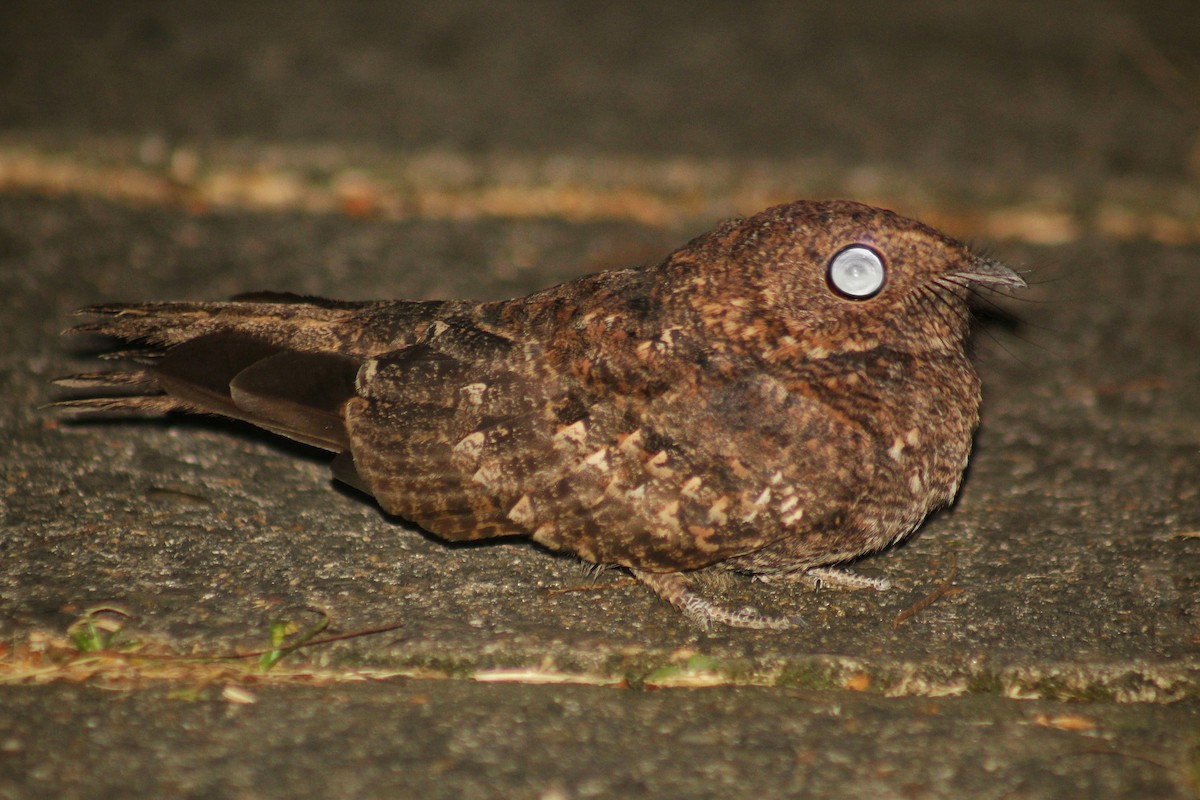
[728, 408]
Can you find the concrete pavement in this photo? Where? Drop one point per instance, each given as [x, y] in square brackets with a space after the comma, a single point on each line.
[1041, 638]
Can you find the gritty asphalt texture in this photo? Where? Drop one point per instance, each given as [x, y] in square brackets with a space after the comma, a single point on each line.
[1042, 637]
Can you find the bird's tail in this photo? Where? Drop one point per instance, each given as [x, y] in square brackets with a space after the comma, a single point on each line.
[281, 362]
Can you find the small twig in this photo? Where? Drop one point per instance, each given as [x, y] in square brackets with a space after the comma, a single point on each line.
[311, 643]
[1178, 535]
[945, 589]
[169, 657]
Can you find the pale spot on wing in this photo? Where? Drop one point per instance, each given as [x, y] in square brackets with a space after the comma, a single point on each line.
[716, 512]
[474, 392]
[598, 459]
[576, 432]
[701, 538]
[471, 445]
[487, 475]
[691, 486]
[655, 466]
[667, 337]
[366, 374]
[631, 443]
[522, 512]
[669, 514]
[753, 330]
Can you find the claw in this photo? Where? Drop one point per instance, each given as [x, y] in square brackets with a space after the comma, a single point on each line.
[672, 587]
[843, 579]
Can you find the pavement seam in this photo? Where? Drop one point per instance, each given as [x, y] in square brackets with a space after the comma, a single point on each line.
[663, 192]
[52, 659]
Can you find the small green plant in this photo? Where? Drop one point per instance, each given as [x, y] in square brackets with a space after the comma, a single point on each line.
[98, 628]
[280, 630]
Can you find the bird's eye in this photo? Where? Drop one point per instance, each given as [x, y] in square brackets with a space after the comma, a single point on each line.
[856, 272]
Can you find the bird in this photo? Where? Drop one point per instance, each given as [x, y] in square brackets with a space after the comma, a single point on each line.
[782, 394]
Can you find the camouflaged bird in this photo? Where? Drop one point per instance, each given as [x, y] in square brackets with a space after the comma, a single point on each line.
[783, 393]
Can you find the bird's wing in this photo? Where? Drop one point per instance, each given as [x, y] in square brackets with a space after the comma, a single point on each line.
[449, 431]
[473, 435]
[704, 472]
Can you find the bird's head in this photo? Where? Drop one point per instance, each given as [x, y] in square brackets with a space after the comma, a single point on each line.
[817, 278]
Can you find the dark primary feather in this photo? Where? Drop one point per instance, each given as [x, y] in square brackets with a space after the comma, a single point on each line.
[724, 409]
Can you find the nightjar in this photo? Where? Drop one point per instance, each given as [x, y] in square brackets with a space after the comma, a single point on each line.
[783, 393]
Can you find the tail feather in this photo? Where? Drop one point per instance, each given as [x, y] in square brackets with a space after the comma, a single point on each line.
[144, 355]
[292, 323]
[140, 405]
[133, 392]
[135, 381]
[266, 360]
[199, 370]
[155, 323]
[300, 395]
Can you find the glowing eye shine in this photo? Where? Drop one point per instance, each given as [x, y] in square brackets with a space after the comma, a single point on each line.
[857, 272]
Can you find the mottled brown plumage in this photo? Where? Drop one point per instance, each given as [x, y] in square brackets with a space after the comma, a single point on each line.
[782, 393]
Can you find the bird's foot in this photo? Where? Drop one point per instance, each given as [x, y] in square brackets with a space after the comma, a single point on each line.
[841, 578]
[673, 587]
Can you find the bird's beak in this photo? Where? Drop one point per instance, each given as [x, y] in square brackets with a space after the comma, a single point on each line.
[985, 270]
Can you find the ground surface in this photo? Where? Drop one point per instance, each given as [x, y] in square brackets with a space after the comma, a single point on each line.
[1042, 638]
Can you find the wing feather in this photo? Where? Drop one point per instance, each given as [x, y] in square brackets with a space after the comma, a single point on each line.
[472, 435]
